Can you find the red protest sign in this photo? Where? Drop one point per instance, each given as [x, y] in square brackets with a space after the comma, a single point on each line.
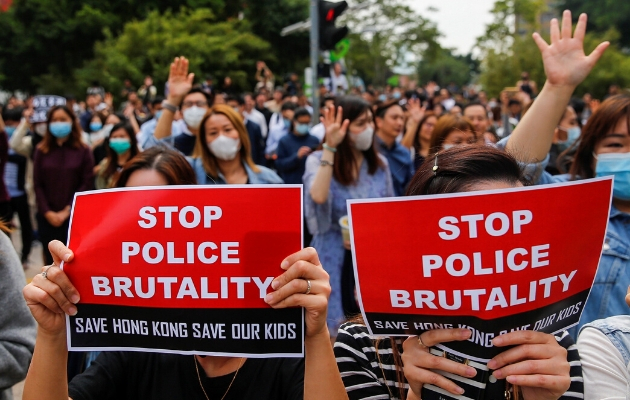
[493, 261]
[184, 269]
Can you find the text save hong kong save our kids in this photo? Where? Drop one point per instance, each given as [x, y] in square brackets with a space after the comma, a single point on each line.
[184, 270]
[492, 262]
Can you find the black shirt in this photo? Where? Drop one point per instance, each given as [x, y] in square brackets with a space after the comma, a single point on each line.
[185, 143]
[131, 375]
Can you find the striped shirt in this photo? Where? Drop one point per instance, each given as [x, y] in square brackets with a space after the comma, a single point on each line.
[367, 375]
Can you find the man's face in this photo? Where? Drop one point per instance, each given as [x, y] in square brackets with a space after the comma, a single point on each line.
[249, 103]
[288, 114]
[478, 117]
[261, 99]
[337, 69]
[237, 107]
[194, 99]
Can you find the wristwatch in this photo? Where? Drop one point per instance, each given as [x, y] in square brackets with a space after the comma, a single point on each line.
[168, 106]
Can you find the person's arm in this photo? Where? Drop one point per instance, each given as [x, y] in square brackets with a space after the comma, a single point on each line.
[38, 183]
[49, 300]
[20, 142]
[290, 290]
[566, 66]
[335, 132]
[416, 113]
[17, 327]
[87, 174]
[179, 84]
[131, 117]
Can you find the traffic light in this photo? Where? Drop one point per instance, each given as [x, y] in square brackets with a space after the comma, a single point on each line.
[329, 34]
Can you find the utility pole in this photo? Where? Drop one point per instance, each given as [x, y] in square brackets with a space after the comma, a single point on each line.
[315, 58]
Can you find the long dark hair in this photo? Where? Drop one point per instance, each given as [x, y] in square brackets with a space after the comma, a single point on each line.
[345, 162]
[74, 139]
[417, 145]
[171, 164]
[112, 156]
[601, 123]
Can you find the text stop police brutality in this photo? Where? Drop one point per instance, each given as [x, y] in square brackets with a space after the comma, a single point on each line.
[479, 263]
[184, 269]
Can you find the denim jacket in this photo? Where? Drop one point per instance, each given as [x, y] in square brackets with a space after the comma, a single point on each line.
[617, 330]
[264, 176]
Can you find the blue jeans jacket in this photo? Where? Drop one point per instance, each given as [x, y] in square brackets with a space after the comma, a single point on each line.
[617, 330]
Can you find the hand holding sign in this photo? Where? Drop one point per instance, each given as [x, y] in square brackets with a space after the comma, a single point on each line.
[538, 364]
[50, 298]
[292, 289]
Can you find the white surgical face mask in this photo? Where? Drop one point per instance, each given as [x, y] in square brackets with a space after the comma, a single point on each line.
[224, 148]
[193, 116]
[363, 140]
[448, 146]
[40, 129]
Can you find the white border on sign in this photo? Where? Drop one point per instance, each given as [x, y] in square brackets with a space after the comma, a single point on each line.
[351, 202]
[189, 187]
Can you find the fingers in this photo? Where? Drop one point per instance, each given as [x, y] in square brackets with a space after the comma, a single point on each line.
[554, 31]
[344, 127]
[58, 286]
[566, 25]
[437, 336]
[553, 383]
[35, 296]
[530, 345]
[597, 53]
[308, 254]
[540, 42]
[339, 115]
[190, 78]
[420, 376]
[300, 270]
[523, 337]
[580, 28]
[60, 252]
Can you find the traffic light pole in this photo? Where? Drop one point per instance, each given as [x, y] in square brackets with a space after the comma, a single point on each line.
[315, 58]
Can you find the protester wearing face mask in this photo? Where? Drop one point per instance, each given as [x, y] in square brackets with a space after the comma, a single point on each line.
[287, 112]
[62, 166]
[253, 130]
[452, 131]
[565, 136]
[223, 153]
[389, 123]
[193, 103]
[95, 135]
[122, 146]
[15, 177]
[295, 147]
[604, 149]
[348, 167]
[148, 128]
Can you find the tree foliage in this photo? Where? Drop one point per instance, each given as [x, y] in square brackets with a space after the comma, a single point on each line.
[505, 54]
[149, 46]
[381, 32]
[603, 15]
[446, 67]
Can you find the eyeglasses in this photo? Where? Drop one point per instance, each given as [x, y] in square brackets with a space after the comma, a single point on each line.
[199, 103]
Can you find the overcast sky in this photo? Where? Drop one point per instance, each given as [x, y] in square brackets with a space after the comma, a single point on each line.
[460, 21]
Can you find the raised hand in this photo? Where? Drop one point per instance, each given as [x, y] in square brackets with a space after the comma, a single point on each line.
[564, 59]
[292, 289]
[179, 80]
[416, 112]
[50, 298]
[335, 129]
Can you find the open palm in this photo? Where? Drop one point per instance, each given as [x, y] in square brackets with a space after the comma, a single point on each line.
[179, 80]
[564, 59]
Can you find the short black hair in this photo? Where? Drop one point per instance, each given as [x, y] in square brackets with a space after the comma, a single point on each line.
[513, 102]
[157, 100]
[301, 112]
[475, 103]
[237, 98]
[197, 90]
[289, 105]
[12, 114]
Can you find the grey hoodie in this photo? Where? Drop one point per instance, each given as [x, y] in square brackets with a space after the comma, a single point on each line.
[17, 326]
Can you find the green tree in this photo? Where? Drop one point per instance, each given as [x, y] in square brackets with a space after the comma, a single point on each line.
[603, 15]
[446, 67]
[381, 31]
[505, 54]
[45, 40]
[149, 46]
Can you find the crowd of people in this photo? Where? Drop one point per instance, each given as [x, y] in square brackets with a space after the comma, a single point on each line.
[368, 143]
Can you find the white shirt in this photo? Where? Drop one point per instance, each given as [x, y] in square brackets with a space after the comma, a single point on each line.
[259, 119]
[334, 82]
[275, 135]
[319, 131]
[276, 121]
[605, 374]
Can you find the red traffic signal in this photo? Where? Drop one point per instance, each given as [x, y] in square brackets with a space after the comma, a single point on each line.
[329, 34]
